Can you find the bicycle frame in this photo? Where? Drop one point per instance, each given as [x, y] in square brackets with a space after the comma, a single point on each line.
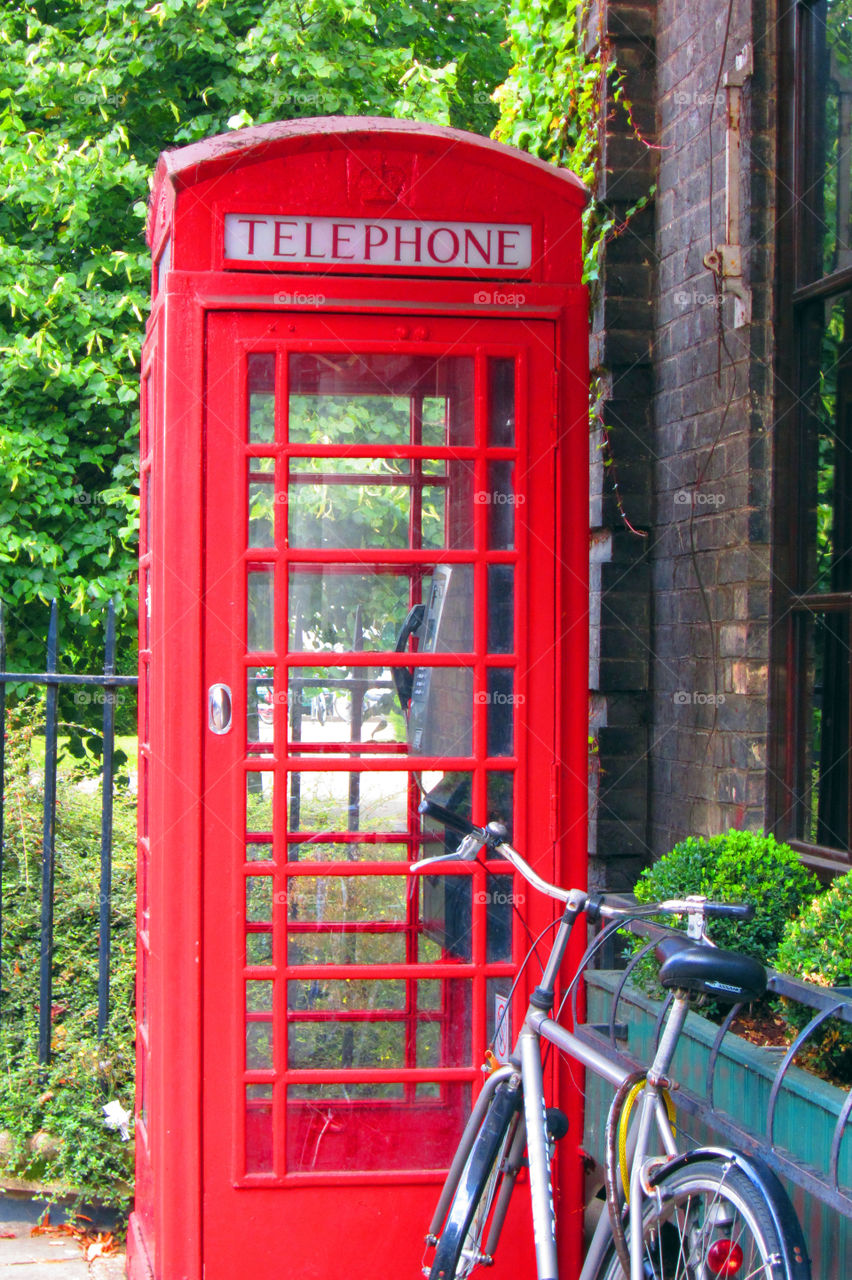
[526, 1060]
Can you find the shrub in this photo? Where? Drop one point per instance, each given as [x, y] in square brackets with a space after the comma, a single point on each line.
[52, 1116]
[817, 947]
[740, 866]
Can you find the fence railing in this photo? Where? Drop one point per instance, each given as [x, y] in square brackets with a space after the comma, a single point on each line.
[754, 1134]
[52, 679]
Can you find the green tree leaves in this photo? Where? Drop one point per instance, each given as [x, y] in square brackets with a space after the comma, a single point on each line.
[90, 93]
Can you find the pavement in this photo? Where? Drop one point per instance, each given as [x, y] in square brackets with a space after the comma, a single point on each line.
[49, 1255]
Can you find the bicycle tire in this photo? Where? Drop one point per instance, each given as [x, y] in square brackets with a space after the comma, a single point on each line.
[713, 1219]
[459, 1248]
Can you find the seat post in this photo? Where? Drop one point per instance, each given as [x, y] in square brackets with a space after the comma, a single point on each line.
[668, 1042]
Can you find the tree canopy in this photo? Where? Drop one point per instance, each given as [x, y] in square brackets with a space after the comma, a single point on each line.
[90, 92]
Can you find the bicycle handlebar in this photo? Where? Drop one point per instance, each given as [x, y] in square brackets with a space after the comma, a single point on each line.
[492, 837]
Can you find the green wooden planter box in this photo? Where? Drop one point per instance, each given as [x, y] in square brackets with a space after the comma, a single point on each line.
[805, 1115]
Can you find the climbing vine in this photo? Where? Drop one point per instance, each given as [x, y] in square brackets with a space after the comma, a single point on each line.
[552, 102]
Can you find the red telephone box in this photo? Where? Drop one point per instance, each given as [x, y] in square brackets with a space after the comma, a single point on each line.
[363, 578]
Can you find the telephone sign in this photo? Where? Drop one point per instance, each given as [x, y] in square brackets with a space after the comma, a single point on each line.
[364, 547]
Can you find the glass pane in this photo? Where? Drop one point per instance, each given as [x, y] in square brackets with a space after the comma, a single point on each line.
[827, 492]
[261, 502]
[367, 850]
[500, 798]
[376, 513]
[502, 500]
[260, 786]
[501, 608]
[824, 786]
[337, 801]
[381, 399]
[261, 399]
[367, 1023]
[259, 899]
[259, 1128]
[332, 607]
[327, 1127]
[501, 403]
[826, 187]
[501, 700]
[259, 851]
[260, 624]
[259, 708]
[347, 919]
[340, 704]
[259, 1046]
[259, 948]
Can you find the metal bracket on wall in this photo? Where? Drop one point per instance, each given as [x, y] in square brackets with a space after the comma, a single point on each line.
[725, 261]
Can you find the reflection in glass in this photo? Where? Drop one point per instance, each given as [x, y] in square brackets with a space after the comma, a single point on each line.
[259, 899]
[333, 607]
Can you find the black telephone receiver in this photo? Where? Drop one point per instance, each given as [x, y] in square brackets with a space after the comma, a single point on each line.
[403, 677]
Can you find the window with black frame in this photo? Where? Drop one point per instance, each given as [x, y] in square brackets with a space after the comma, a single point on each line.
[814, 491]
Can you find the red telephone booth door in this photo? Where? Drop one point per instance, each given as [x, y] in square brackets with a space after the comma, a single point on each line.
[355, 470]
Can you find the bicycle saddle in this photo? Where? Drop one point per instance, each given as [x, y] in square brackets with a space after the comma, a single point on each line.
[725, 975]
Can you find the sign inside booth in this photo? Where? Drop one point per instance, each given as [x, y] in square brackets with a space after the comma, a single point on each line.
[380, 242]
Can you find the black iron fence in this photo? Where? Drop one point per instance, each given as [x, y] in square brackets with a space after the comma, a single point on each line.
[51, 678]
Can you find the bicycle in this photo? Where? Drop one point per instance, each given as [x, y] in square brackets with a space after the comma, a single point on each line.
[670, 1214]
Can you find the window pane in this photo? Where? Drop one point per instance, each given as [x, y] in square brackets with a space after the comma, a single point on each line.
[383, 399]
[823, 787]
[260, 625]
[827, 490]
[333, 607]
[826, 239]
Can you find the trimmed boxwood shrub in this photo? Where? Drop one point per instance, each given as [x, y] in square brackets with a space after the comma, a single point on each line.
[739, 866]
[817, 947]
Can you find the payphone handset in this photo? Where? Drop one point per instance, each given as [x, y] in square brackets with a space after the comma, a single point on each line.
[440, 701]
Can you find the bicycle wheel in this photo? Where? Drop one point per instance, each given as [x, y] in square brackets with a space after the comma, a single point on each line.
[711, 1220]
[460, 1246]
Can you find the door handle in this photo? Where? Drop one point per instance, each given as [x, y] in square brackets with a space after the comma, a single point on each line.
[219, 708]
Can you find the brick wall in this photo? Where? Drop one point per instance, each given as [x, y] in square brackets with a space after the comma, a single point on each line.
[712, 433]
[680, 617]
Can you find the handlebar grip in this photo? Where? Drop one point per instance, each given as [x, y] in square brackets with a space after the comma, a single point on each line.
[729, 910]
[431, 809]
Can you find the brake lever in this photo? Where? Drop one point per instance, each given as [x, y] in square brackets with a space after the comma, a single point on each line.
[466, 852]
